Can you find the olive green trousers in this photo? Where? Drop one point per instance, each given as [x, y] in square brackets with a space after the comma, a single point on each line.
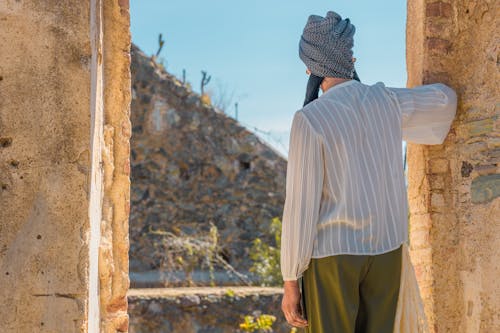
[352, 293]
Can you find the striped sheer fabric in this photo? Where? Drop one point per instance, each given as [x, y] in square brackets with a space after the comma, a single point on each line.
[345, 189]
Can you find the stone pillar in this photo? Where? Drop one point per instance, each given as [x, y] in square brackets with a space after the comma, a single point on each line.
[113, 252]
[454, 188]
[61, 95]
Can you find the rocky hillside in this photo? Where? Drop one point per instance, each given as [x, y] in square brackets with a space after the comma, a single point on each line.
[193, 166]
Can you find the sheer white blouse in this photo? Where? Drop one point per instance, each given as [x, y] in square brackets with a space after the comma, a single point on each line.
[345, 187]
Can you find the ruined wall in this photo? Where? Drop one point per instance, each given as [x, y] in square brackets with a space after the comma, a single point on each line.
[454, 188]
[193, 165]
[202, 310]
[53, 111]
[45, 128]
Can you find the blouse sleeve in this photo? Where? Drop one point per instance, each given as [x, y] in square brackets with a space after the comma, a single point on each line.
[427, 112]
[304, 183]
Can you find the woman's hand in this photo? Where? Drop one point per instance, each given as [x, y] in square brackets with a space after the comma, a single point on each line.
[290, 305]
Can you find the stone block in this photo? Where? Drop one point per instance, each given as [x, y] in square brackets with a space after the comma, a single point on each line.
[437, 182]
[438, 165]
[493, 142]
[494, 154]
[474, 147]
[420, 222]
[419, 204]
[420, 239]
[480, 127]
[422, 255]
[438, 45]
[487, 169]
[435, 76]
[485, 188]
[438, 29]
[437, 201]
[439, 9]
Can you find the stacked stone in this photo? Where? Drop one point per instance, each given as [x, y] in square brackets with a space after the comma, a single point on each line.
[197, 311]
[454, 188]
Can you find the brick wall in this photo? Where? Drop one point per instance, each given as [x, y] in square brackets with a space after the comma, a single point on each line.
[454, 188]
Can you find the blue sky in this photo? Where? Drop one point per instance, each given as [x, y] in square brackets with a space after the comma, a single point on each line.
[251, 49]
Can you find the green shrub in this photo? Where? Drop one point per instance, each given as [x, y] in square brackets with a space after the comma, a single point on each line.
[266, 258]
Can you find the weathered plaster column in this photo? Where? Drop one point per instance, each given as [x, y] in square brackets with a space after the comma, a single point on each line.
[113, 252]
[61, 187]
[454, 188]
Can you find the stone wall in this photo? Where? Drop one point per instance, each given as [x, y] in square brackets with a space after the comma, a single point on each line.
[193, 165]
[45, 161]
[214, 310]
[454, 188]
[54, 117]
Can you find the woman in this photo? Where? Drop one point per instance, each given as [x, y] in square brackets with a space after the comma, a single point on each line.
[345, 216]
